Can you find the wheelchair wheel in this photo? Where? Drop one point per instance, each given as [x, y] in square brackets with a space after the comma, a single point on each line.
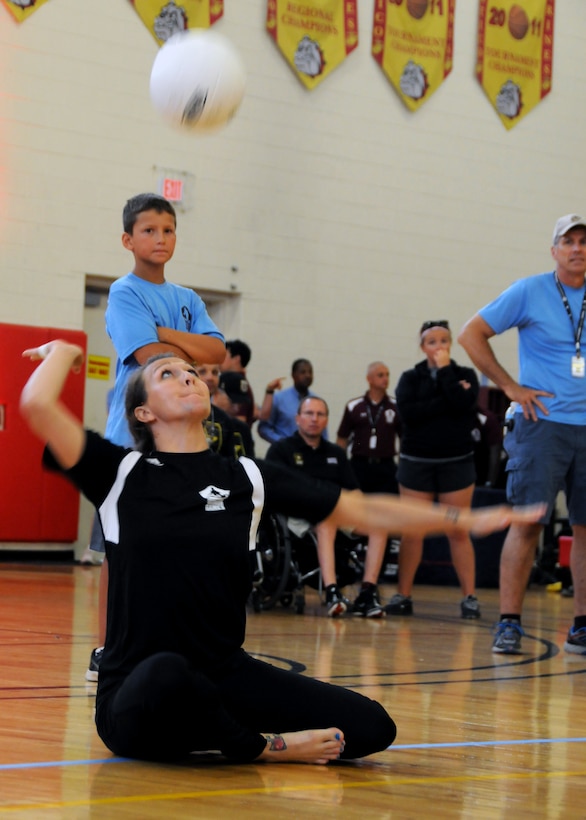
[273, 563]
[299, 603]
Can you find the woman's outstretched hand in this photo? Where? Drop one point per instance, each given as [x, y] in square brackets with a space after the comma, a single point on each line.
[491, 519]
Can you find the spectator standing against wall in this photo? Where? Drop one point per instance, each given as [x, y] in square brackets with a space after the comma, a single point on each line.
[437, 401]
[369, 429]
[279, 408]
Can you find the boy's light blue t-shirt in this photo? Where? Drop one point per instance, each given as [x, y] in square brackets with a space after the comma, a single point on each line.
[135, 309]
[546, 342]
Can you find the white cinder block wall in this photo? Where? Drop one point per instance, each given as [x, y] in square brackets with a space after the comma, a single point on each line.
[349, 219]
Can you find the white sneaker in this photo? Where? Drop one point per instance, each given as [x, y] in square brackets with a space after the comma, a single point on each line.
[91, 558]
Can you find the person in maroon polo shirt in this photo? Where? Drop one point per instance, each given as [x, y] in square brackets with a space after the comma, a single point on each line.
[370, 428]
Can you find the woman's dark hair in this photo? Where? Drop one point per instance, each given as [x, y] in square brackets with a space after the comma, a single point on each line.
[434, 323]
[135, 396]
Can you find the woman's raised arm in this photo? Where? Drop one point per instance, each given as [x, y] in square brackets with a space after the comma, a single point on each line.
[40, 402]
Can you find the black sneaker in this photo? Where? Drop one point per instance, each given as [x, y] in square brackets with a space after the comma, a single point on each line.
[335, 602]
[470, 607]
[94, 667]
[399, 605]
[367, 604]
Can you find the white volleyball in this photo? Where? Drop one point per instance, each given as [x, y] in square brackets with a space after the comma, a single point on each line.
[197, 80]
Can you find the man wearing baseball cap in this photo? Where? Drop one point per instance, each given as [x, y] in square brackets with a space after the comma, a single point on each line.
[547, 445]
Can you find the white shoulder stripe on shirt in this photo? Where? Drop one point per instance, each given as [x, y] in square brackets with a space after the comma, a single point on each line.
[109, 508]
[258, 497]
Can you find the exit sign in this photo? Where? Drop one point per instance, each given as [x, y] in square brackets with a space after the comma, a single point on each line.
[172, 189]
[175, 185]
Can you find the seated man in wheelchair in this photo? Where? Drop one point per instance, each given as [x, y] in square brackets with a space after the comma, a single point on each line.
[309, 451]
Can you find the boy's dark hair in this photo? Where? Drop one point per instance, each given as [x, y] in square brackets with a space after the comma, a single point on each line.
[236, 347]
[145, 202]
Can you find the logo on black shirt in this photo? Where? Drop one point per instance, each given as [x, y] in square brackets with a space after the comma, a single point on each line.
[214, 497]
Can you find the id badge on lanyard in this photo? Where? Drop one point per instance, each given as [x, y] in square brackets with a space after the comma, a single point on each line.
[578, 369]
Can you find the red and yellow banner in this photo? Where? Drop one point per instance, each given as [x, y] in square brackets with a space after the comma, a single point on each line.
[515, 55]
[163, 18]
[21, 9]
[413, 42]
[314, 36]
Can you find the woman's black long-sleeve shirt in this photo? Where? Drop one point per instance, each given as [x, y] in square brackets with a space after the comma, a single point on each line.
[437, 413]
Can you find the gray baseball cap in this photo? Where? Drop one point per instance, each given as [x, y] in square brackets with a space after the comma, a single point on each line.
[565, 224]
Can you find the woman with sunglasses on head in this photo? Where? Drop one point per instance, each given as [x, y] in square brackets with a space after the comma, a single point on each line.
[436, 401]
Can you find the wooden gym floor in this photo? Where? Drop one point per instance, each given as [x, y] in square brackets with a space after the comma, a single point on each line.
[480, 735]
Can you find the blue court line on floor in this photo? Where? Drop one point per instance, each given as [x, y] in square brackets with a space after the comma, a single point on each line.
[54, 763]
[471, 743]
[404, 748]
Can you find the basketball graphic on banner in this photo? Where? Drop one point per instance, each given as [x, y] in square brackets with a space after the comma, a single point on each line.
[518, 22]
[417, 8]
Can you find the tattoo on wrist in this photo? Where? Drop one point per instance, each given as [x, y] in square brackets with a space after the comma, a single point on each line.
[276, 743]
[452, 514]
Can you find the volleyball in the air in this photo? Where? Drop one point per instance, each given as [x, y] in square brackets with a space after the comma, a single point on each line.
[197, 80]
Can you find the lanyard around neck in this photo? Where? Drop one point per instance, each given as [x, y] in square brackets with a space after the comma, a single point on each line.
[374, 421]
[577, 331]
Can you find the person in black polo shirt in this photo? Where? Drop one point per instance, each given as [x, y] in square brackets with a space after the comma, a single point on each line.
[370, 428]
[308, 450]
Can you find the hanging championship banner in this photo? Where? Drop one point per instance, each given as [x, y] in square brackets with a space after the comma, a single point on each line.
[413, 42]
[314, 36]
[515, 55]
[163, 18]
[21, 9]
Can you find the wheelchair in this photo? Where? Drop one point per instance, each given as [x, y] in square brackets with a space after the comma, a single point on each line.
[284, 563]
